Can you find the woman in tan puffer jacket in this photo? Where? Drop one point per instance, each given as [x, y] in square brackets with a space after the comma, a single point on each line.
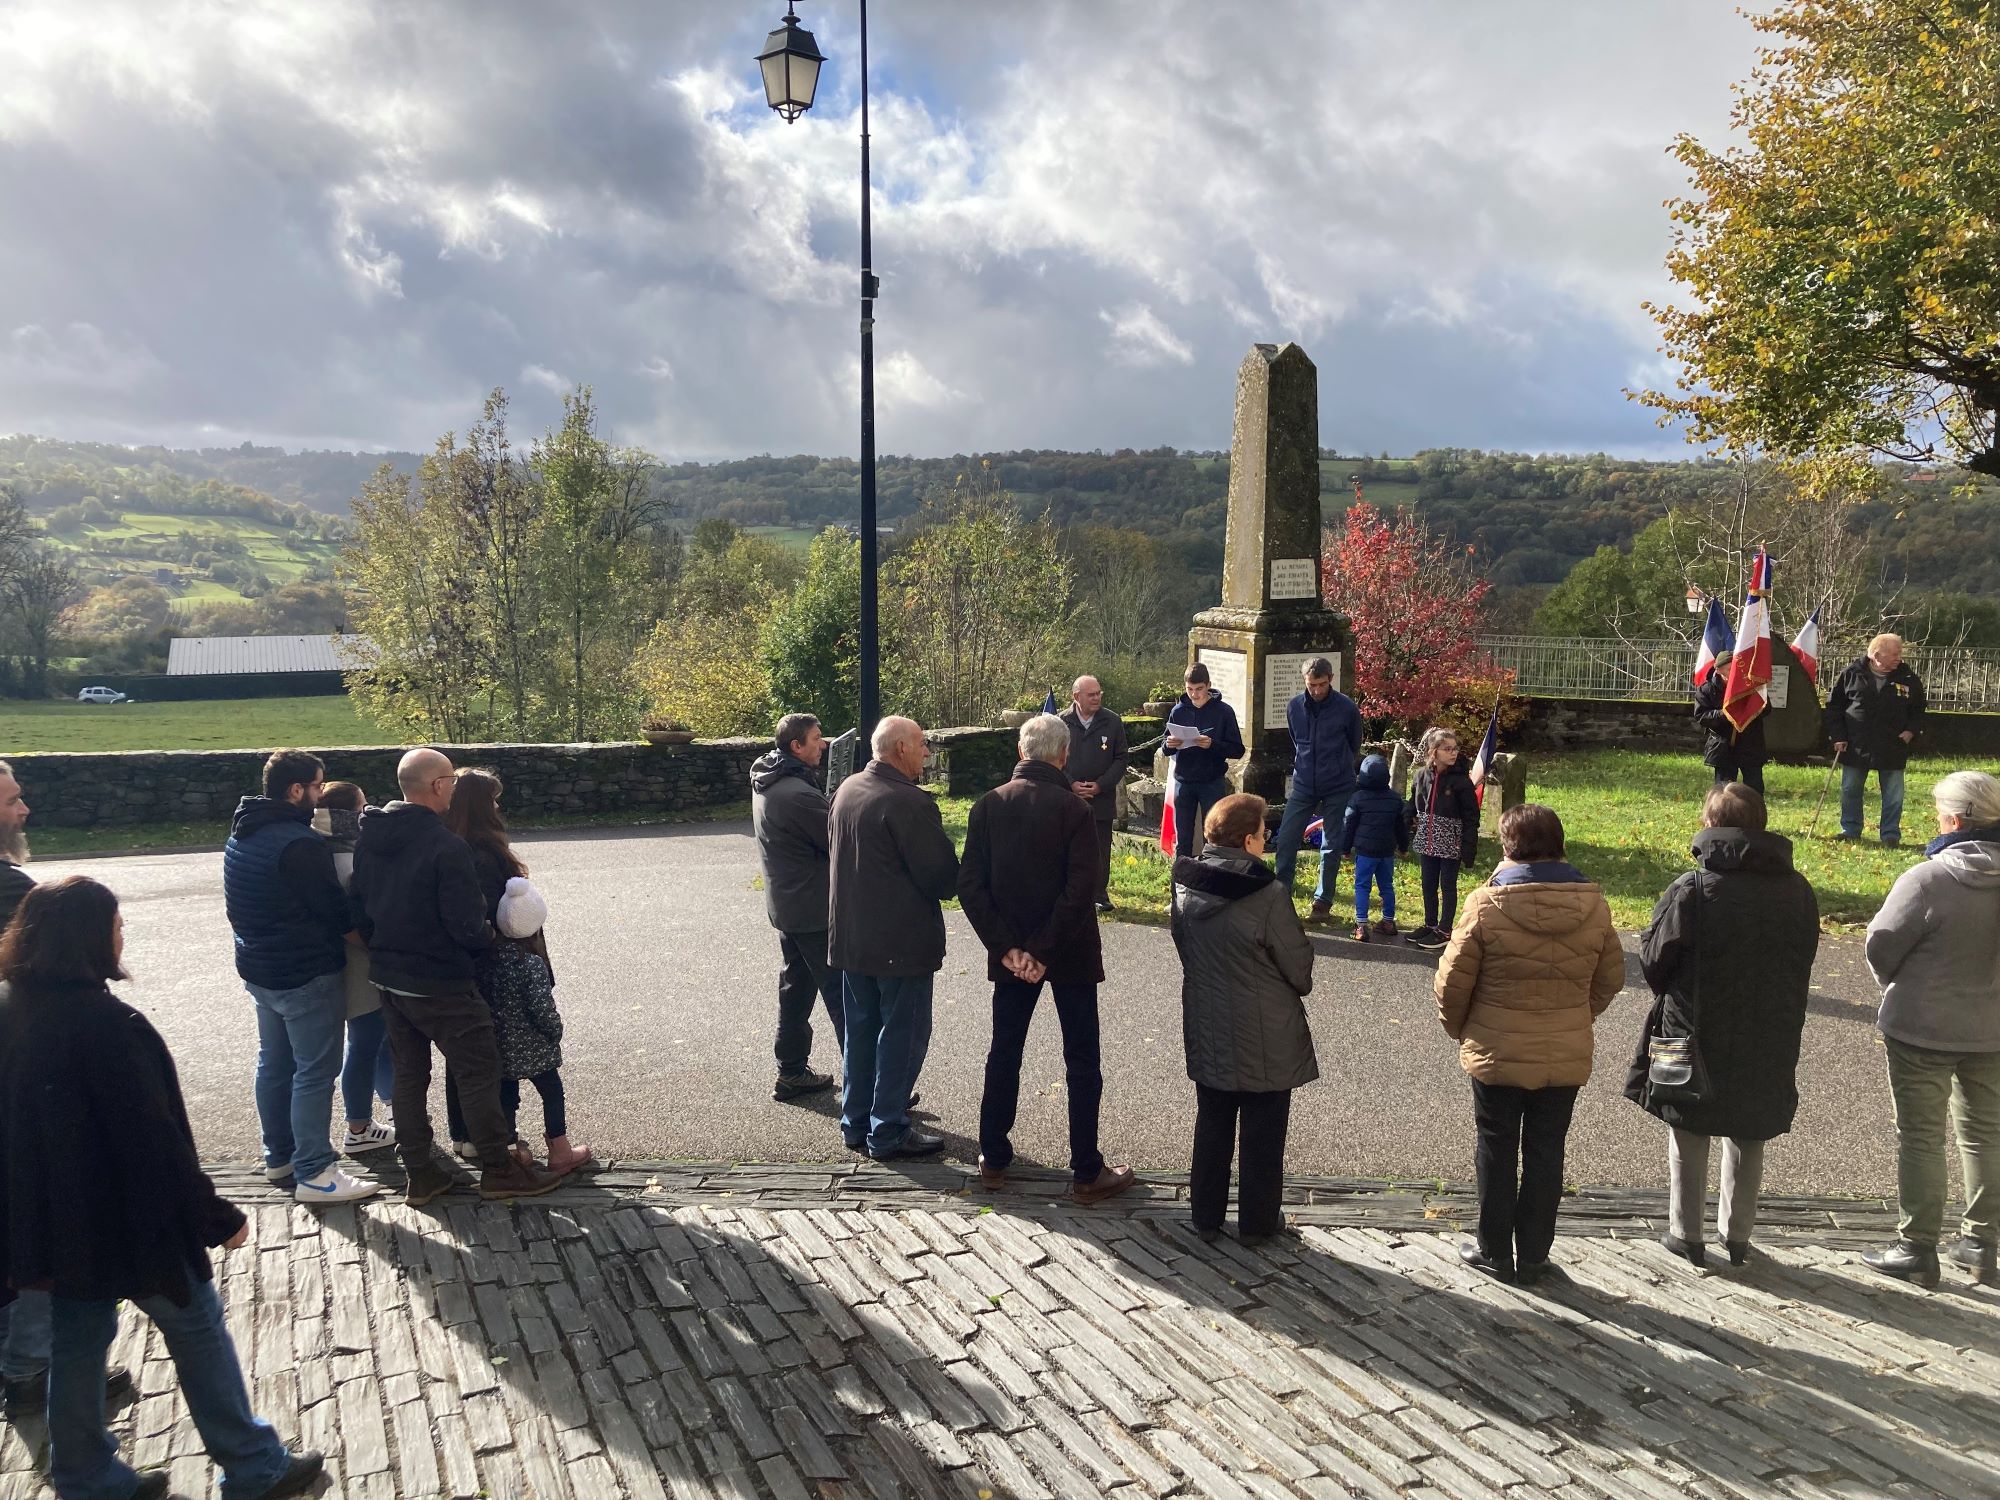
[1532, 963]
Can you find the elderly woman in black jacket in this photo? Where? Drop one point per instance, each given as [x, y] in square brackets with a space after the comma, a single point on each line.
[1247, 966]
[105, 1202]
[1729, 954]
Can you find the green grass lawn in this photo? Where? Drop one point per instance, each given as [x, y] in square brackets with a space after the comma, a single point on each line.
[225, 724]
[1630, 818]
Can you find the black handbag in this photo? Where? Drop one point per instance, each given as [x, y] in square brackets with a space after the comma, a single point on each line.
[1675, 1072]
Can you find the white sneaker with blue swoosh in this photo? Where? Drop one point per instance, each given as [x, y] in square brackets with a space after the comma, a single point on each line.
[334, 1186]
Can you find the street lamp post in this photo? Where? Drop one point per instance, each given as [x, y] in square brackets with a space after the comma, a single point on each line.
[791, 62]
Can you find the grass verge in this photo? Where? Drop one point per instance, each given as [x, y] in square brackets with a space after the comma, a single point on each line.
[220, 724]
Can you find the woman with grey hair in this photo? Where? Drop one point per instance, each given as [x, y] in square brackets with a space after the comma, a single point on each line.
[1935, 950]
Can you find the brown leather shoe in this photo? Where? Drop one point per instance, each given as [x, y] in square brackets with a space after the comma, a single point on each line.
[989, 1178]
[1107, 1184]
[518, 1179]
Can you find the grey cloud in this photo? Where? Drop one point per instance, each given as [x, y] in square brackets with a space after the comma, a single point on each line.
[340, 225]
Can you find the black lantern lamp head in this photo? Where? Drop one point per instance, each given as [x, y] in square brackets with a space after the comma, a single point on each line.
[791, 61]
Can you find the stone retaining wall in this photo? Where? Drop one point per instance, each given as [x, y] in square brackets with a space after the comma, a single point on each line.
[544, 782]
[1599, 723]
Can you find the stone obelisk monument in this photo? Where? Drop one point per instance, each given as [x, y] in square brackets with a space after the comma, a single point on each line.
[1273, 617]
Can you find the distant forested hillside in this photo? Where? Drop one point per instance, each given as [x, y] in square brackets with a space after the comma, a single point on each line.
[1531, 518]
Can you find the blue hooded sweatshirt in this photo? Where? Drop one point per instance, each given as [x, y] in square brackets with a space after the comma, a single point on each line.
[1377, 824]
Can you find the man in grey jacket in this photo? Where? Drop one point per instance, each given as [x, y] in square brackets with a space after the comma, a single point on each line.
[1934, 947]
[788, 813]
[892, 864]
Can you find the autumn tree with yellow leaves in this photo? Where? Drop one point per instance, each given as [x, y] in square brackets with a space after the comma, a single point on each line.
[1843, 262]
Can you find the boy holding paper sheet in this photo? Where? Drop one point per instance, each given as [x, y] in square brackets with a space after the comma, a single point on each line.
[1202, 737]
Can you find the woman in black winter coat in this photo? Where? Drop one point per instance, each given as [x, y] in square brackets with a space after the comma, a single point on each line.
[1729, 954]
[105, 1202]
[1729, 752]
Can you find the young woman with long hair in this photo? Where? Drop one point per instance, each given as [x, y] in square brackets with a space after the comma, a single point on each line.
[515, 975]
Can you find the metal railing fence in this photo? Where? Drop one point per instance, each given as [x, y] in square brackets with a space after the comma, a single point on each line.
[1966, 678]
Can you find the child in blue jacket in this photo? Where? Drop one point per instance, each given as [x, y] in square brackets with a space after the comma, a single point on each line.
[1376, 829]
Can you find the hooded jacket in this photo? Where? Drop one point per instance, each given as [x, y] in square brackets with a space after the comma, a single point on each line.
[1729, 953]
[891, 863]
[1934, 947]
[1326, 743]
[1871, 720]
[85, 1078]
[1246, 966]
[282, 896]
[1217, 720]
[789, 815]
[1029, 876]
[417, 901]
[1531, 965]
[1377, 824]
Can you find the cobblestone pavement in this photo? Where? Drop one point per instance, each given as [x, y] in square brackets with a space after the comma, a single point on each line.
[693, 1330]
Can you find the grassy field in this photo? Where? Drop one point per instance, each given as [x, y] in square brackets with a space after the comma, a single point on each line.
[793, 538]
[280, 555]
[227, 724]
[1630, 818]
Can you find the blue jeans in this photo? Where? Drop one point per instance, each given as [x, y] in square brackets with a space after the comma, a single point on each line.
[24, 1336]
[369, 1069]
[83, 1458]
[1854, 785]
[1299, 811]
[888, 1023]
[1380, 869]
[298, 1054]
[1192, 800]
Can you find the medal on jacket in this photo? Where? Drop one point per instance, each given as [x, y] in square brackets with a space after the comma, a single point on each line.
[1104, 742]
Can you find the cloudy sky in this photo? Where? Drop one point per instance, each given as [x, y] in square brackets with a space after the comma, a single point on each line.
[338, 224]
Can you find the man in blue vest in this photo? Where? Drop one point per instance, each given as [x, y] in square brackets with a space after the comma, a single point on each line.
[1326, 749]
[291, 923]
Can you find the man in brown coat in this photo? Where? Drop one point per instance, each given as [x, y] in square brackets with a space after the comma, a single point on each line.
[1532, 963]
[891, 863]
[1026, 884]
[1098, 756]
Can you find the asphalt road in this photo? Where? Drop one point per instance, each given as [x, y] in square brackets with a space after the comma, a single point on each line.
[666, 977]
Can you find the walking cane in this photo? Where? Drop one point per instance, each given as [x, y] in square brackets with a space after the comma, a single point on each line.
[1822, 794]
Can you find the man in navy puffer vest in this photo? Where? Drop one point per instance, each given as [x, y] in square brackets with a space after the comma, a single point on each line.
[291, 923]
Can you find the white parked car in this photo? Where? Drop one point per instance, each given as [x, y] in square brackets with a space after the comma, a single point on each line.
[100, 695]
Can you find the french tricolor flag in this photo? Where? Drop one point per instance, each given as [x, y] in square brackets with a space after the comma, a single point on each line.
[1715, 639]
[1806, 647]
[1750, 668]
[1483, 761]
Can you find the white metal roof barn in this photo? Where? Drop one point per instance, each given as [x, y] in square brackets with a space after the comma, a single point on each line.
[201, 656]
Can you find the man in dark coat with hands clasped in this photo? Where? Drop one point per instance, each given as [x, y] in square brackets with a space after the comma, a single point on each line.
[1026, 882]
[789, 815]
[1098, 756]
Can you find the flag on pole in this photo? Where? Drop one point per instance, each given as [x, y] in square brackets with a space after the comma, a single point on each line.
[1750, 668]
[1806, 647]
[1482, 762]
[1169, 833]
[1049, 703]
[1715, 639]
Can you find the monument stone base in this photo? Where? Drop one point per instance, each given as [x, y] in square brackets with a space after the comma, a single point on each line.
[1256, 660]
